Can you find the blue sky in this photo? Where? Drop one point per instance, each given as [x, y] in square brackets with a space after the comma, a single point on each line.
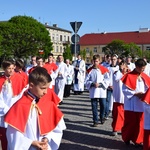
[97, 15]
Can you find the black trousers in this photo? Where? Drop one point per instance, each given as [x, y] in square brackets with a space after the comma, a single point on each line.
[67, 90]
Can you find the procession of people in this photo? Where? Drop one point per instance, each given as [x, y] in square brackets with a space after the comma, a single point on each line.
[30, 97]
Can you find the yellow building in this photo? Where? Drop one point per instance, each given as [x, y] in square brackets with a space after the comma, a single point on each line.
[59, 37]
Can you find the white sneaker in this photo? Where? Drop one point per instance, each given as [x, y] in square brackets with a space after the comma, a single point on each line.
[114, 133]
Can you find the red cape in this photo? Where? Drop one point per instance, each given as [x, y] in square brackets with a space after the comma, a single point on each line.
[101, 68]
[50, 116]
[17, 81]
[50, 67]
[146, 97]
[130, 79]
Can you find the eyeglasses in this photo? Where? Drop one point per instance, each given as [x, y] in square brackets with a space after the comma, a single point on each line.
[113, 59]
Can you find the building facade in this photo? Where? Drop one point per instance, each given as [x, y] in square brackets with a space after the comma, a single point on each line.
[93, 43]
[59, 37]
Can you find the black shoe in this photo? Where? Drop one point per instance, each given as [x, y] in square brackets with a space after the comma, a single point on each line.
[61, 103]
[127, 142]
[95, 125]
[103, 121]
[138, 144]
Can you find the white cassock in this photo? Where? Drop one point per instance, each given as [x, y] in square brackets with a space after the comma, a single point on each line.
[147, 69]
[95, 76]
[7, 100]
[60, 80]
[111, 73]
[131, 102]
[69, 74]
[22, 141]
[117, 90]
[80, 76]
[131, 66]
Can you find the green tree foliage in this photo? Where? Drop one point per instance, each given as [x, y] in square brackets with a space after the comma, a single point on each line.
[67, 53]
[83, 54]
[119, 47]
[24, 36]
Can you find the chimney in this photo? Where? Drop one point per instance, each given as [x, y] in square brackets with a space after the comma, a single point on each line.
[55, 25]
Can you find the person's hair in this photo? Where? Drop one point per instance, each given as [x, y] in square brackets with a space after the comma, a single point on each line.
[39, 57]
[123, 62]
[96, 57]
[20, 63]
[39, 75]
[140, 63]
[7, 63]
[108, 55]
[50, 54]
[115, 55]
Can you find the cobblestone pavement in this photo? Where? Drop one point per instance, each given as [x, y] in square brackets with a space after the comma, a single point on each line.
[79, 134]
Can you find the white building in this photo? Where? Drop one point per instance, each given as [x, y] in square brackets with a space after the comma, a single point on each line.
[59, 37]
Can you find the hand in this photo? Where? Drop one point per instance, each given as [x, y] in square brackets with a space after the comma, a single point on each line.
[96, 85]
[77, 68]
[110, 87]
[40, 145]
[139, 94]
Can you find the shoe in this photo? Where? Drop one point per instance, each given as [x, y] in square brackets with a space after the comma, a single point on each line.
[95, 125]
[138, 144]
[61, 103]
[106, 118]
[103, 121]
[114, 133]
[127, 142]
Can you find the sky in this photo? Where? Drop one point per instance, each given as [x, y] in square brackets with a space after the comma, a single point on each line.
[96, 15]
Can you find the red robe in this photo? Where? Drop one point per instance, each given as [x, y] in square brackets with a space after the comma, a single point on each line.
[130, 80]
[50, 67]
[49, 114]
[101, 68]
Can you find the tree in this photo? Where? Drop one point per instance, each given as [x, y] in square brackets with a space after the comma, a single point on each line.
[24, 36]
[67, 53]
[119, 47]
[83, 54]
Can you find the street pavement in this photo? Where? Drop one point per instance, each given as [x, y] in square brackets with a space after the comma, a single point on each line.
[79, 134]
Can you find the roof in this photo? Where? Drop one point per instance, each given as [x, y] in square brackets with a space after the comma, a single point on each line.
[136, 37]
[56, 28]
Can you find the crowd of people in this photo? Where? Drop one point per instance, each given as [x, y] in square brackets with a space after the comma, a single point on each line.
[30, 96]
[121, 86]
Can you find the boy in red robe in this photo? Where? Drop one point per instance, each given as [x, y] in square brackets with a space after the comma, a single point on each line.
[34, 121]
[11, 85]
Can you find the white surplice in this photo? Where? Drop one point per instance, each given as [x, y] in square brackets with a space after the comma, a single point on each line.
[60, 80]
[95, 76]
[23, 141]
[80, 76]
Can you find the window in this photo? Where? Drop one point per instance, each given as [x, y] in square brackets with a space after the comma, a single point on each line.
[68, 39]
[60, 37]
[60, 49]
[53, 37]
[64, 38]
[95, 50]
[87, 50]
[57, 38]
[148, 48]
[57, 49]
